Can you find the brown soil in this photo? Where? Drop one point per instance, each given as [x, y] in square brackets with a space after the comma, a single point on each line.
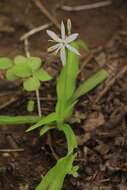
[100, 119]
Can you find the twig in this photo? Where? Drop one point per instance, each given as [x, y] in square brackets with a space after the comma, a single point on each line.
[49, 142]
[46, 99]
[89, 57]
[47, 13]
[110, 83]
[86, 7]
[86, 61]
[34, 31]
[8, 103]
[116, 119]
[38, 103]
[7, 93]
[26, 47]
[12, 150]
[12, 143]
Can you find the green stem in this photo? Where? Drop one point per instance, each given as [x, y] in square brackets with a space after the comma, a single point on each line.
[38, 103]
[18, 120]
[65, 95]
[37, 91]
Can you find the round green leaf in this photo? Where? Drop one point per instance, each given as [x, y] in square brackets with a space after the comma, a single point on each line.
[10, 75]
[20, 59]
[5, 63]
[42, 75]
[34, 63]
[31, 84]
[22, 70]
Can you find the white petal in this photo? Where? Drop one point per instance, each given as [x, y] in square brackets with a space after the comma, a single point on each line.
[57, 50]
[51, 41]
[63, 55]
[74, 50]
[53, 48]
[69, 26]
[63, 31]
[53, 36]
[71, 38]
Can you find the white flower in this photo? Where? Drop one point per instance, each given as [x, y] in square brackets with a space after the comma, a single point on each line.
[63, 42]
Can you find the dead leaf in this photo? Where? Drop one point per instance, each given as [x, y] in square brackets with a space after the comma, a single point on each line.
[122, 187]
[103, 149]
[5, 25]
[83, 138]
[93, 121]
[77, 117]
[101, 59]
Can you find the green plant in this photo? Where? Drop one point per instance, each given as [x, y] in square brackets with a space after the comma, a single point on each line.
[67, 96]
[28, 69]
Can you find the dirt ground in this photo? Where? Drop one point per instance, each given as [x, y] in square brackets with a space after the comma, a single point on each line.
[100, 119]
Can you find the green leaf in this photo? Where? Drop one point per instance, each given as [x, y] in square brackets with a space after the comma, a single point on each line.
[42, 75]
[69, 110]
[30, 105]
[66, 83]
[45, 129]
[22, 70]
[44, 121]
[90, 83]
[5, 63]
[73, 62]
[55, 177]
[34, 63]
[31, 84]
[10, 75]
[20, 59]
[70, 136]
[18, 120]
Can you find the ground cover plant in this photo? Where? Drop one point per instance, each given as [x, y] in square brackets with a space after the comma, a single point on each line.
[30, 72]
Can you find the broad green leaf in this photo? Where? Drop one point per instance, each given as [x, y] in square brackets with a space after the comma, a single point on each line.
[55, 177]
[5, 63]
[42, 75]
[44, 121]
[10, 75]
[34, 63]
[31, 84]
[70, 136]
[69, 110]
[19, 59]
[22, 70]
[30, 105]
[66, 83]
[18, 120]
[73, 62]
[90, 84]
[45, 129]
[61, 97]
